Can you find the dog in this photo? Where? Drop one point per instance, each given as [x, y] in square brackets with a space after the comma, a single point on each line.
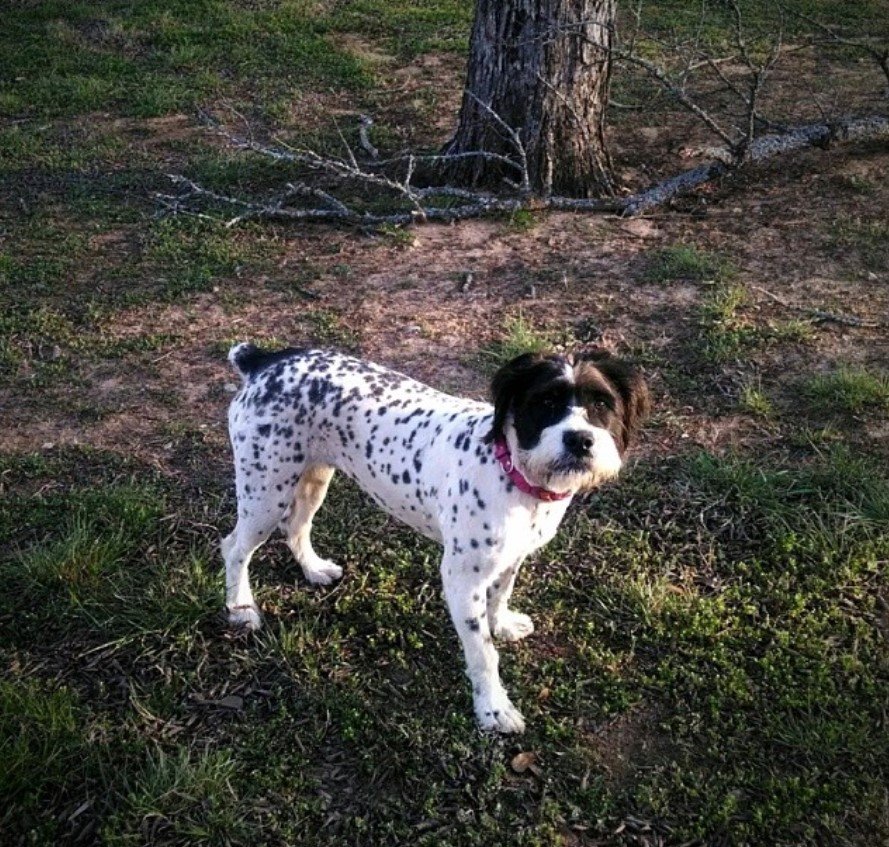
[490, 483]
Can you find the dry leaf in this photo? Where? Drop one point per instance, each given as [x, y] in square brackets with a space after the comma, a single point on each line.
[522, 762]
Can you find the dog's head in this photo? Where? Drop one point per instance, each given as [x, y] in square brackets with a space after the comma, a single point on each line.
[568, 420]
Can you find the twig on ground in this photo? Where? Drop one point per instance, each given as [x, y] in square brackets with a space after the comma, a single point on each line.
[820, 315]
[762, 148]
[365, 122]
[515, 138]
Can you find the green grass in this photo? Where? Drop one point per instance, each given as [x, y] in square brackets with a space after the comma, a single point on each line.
[519, 336]
[743, 662]
[409, 28]
[755, 401]
[60, 293]
[327, 329]
[729, 332]
[40, 737]
[180, 797]
[189, 255]
[709, 663]
[726, 331]
[522, 220]
[849, 389]
[25, 146]
[687, 263]
[711, 23]
[161, 57]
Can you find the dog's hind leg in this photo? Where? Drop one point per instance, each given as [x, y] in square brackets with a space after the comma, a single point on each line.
[264, 501]
[297, 527]
[251, 532]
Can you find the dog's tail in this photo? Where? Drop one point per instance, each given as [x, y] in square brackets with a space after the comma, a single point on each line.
[246, 359]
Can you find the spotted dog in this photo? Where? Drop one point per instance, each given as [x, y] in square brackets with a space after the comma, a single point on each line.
[489, 483]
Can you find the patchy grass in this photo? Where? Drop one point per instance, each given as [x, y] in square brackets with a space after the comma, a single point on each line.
[26, 145]
[729, 331]
[519, 336]
[409, 28]
[161, 57]
[712, 24]
[851, 390]
[866, 239]
[726, 331]
[522, 220]
[179, 797]
[40, 739]
[790, 332]
[857, 184]
[189, 255]
[328, 329]
[755, 401]
[686, 262]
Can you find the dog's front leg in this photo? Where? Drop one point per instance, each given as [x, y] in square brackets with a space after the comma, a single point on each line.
[504, 622]
[464, 586]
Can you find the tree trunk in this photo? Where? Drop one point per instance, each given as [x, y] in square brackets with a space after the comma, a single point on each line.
[541, 68]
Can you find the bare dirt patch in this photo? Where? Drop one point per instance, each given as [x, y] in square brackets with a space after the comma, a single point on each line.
[628, 742]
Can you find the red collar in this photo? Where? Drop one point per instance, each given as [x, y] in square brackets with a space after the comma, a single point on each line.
[502, 455]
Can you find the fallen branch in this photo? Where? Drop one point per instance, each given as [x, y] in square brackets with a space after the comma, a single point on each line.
[334, 210]
[425, 202]
[678, 92]
[762, 148]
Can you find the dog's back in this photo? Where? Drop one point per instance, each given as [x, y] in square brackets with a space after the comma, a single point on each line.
[301, 408]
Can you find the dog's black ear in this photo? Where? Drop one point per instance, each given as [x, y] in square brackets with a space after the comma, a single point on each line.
[627, 380]
[505, 386]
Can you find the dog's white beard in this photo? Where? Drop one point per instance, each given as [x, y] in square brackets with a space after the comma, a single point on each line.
[551, 466]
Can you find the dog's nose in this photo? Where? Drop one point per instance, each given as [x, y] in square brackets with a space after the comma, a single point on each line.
[579, 443]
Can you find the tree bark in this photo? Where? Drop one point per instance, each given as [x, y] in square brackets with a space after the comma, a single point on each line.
[541, 68]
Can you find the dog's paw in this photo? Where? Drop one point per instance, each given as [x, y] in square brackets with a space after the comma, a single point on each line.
[322, 571]
[495, 713]
[245, 617]
[513, 626]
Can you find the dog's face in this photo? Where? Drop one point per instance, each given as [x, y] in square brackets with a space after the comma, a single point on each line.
[568, 421]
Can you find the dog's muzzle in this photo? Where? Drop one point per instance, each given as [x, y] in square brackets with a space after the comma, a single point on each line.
[579, 443]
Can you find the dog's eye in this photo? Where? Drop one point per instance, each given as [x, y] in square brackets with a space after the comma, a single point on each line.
[599, 403]
[549, 400]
